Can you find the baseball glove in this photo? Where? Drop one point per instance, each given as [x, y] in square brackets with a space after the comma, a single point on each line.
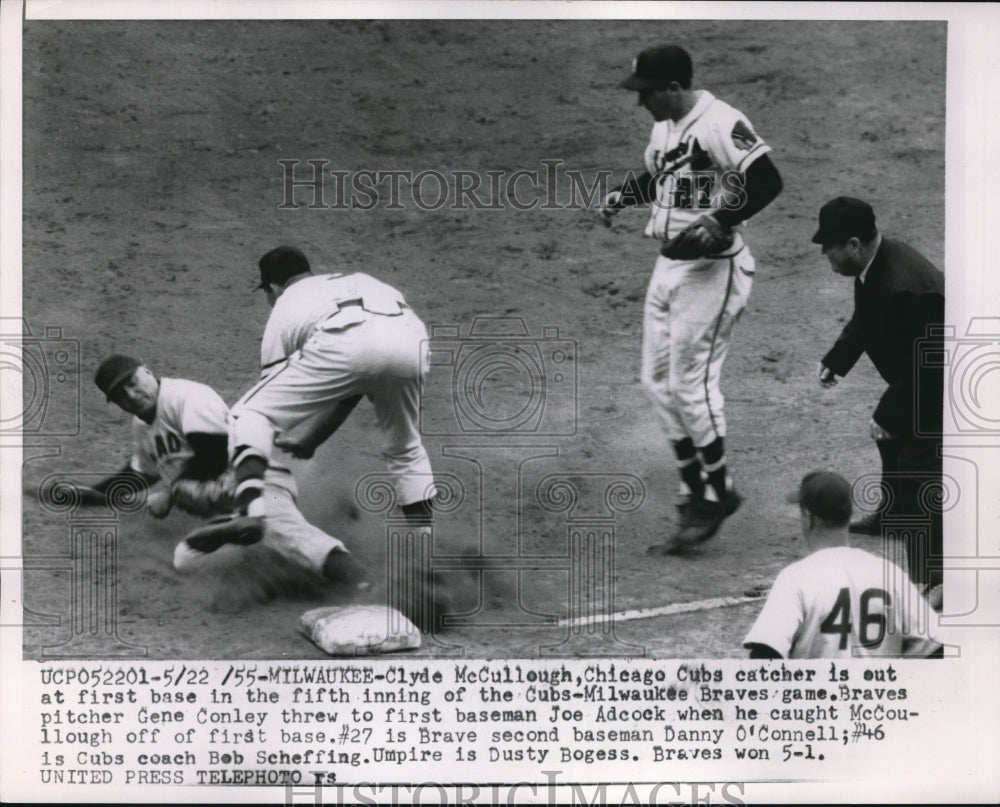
[203, 498]
[699, 239]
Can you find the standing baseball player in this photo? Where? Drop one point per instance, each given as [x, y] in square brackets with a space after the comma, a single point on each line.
[838, 602]
[331, 339]
[180, 447]
[706, 172]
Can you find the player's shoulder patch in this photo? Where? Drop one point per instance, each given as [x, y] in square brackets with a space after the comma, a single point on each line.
[743, 136]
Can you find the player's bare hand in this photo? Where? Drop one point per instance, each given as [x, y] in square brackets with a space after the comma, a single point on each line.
[296, 446]
[827, 378]
[159, 502]
[609, 209]
[877, 432]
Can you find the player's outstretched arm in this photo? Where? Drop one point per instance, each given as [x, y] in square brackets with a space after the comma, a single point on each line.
[97, 495]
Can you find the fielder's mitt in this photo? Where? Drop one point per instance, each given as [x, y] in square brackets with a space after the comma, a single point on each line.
[704, 237]
[206, 498]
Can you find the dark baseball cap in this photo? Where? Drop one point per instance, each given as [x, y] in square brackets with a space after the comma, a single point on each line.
[655, 68]
[825, 494]
[844, 218]
[113, 372]
[280, 264]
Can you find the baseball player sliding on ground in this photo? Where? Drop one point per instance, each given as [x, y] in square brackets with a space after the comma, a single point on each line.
[331, 339]
[180, 450]
[706, 171]
[839, 602]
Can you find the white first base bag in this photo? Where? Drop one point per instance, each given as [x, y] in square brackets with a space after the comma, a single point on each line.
[359, 630]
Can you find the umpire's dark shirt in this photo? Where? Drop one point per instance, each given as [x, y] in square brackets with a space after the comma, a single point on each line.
[902, 295]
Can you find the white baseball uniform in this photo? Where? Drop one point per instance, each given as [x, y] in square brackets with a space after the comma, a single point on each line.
[843, 602]
[692, 306]
[161, 449]
[332, 337]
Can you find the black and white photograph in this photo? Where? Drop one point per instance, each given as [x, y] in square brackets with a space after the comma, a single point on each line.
[498, 402]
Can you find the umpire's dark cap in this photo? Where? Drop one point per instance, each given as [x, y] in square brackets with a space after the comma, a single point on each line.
[655, 68]
[113, 372]
[844, 218]
[280, 264]
[825, 494]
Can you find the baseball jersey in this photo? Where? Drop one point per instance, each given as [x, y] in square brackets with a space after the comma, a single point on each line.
[693, 161]
[309, 303]
[843, 602]
[182, 407]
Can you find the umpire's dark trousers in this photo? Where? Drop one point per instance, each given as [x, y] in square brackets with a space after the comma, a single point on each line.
[911, 470]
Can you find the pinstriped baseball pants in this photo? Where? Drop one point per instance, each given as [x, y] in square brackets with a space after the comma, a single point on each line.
[380, 358]
[690, 311]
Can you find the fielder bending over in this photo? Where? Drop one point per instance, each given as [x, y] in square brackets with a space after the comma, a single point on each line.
[330, 340]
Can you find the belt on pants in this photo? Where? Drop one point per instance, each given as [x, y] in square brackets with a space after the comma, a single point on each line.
[345, 315]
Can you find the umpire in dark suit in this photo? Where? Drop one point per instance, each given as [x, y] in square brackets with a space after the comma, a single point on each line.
[898, 303]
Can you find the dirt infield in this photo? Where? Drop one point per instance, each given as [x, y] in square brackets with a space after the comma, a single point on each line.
[153, 182]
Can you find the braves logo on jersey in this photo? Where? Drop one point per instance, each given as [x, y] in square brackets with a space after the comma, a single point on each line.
[688, 153]
[699, 162]
[743, 137]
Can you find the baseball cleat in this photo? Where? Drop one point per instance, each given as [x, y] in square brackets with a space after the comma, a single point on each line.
[340, 566]
[673, 547]
[705, 518]
[231, 529]
[869, 525]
